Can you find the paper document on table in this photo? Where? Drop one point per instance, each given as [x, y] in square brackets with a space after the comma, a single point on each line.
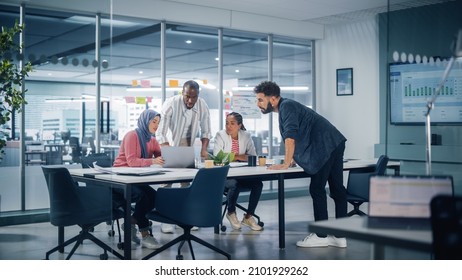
[132, 171]
[238, 164]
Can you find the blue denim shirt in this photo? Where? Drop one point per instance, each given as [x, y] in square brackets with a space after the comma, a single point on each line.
[315, 137]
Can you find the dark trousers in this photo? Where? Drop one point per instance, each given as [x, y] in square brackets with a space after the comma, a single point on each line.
[234, 187]
[144, 198]
[331, 172]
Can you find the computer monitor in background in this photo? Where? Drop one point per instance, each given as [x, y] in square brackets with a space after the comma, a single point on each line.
[404, 201]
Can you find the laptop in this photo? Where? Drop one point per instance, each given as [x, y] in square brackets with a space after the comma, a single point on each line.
[178, 157]
[403, 202]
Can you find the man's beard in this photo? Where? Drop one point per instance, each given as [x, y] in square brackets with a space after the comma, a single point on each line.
[268, 109]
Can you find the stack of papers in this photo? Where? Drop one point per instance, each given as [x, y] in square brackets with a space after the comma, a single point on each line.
[132, 171]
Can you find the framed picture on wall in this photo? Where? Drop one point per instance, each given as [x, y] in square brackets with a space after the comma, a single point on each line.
[345, 81]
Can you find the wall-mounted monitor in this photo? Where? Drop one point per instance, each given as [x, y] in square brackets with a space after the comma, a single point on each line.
[412, 86]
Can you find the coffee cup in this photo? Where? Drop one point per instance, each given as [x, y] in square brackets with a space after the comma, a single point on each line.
[262, 160]
[208, 163]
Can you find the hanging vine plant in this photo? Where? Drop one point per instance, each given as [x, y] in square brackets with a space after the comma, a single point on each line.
[11, 79]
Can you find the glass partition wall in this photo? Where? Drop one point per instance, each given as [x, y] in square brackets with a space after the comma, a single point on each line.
[416, 45]
[94, 74]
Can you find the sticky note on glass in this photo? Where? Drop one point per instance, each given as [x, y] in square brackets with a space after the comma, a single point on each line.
[173, 83]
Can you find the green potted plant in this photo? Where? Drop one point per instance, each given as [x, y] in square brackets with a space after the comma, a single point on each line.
[222, 158]
[11, 79]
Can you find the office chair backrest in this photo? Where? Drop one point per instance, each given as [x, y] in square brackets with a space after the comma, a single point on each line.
[74, 142]
[446, 220]
[102, 159]
[71, 204]
[381, 165]
[76, 149]
[258, 143]
[358, 179]
[91, 141]
[204, 199]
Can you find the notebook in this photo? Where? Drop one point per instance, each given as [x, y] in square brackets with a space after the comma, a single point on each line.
[178, 157]
[403, 202]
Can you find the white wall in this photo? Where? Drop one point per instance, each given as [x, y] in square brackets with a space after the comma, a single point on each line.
[357, 117]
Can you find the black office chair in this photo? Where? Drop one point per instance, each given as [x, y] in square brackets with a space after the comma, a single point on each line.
[76, 153]
[196, 205]
[446, 221]
[225, 209]
[72, 205]
[358, 184]
[103, 160]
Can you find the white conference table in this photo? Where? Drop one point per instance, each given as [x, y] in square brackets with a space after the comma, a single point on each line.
[356, 227]
[175, 175]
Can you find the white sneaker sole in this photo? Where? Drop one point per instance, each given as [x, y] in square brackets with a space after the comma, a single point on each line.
[338, 245]
[167, 230]
[252, 228]
[152, 247]
[315, 245]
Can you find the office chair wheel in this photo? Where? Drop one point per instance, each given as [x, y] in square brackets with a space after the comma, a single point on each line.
[92, 229]
[223, 228]
[120, 245]
[111, 232]
[262, 224]
[103, 256]
[179, 257]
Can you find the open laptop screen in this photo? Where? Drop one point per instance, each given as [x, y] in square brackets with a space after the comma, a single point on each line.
[405, 196]
[178, 157]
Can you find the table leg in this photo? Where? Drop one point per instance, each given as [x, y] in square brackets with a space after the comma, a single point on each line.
[282, 233]
[377, 252]
[127, 223]
[61, 238]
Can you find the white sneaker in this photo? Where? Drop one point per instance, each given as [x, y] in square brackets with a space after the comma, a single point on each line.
[150, 242]
[336, 242]
[194, 228]
[313, 240]
[167, 228]
[232, 218]
[251, 223]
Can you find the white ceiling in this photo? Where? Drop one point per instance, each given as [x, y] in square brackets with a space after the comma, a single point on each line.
[315, 11]
[301, 10]
[134, 50]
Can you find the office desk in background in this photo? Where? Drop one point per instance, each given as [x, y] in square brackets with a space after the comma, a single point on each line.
[356, 228]
[35, 157]
[55, 152]
[186, 175]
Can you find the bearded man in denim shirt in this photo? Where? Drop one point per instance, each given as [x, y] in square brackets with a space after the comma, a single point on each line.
[315, 145]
